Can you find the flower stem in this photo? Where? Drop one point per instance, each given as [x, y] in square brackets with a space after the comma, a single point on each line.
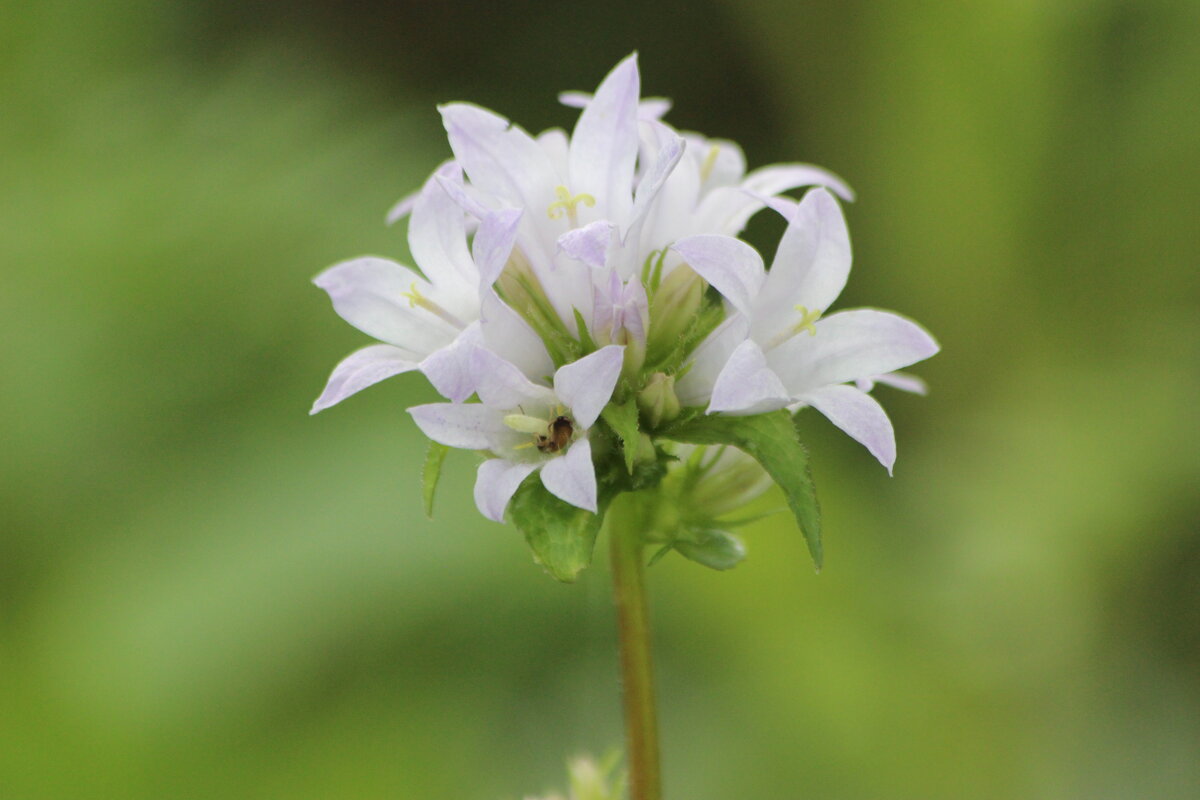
[633, 632]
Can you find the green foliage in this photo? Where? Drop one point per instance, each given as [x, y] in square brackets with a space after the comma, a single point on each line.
[431, 471]
[623, 419]
[560, 535]
[772, 440]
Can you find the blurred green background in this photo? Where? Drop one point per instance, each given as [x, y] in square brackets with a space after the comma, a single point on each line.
[204, 593]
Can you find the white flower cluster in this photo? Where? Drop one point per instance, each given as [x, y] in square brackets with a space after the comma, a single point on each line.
[559, 274]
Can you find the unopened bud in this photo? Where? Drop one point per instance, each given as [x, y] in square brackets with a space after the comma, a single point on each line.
[673, 309]
[657, 400]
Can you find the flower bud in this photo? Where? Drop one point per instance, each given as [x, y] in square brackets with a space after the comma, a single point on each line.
[657, 400]
[673, 309]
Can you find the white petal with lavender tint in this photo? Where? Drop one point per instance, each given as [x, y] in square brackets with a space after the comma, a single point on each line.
[361, 369]
[649, 108]
[402, 208]
[450, 369]
[604, 143]
[859, 415]
[734, 268]
[509, 336]
[695, 387]
[850, 345]
[499, 157]
[370, 293]
[469, 426]
[501, 385]
[496, 482]
[437, 235]
[494, 243]
[665, 161]
[586, 385]
[589, 244]
[572, 477]
[747, 385]
[810, 266]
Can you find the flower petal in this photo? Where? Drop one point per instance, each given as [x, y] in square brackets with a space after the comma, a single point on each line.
[494, 243]
[469, 426]
[810, 266]
[604, 143]
[664, 164]
[747, 385]
[370, 293]
[402, 208]
[585, 386]
[850, 345]
[729, 208]
[782, 177]
[502, 386]
[509, 336]
[361, 369]
[450, 369]
[496, 482]
[858, 414]
[572, 477]
[709, 358]
[437, 235]
[897, 380]
[649, 108]
[500, 158]
[733, 267]
[590, 244]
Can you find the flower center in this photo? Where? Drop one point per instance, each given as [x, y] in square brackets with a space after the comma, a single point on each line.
[566, 202]
[416, 299]
[548, 435]
[807, 318]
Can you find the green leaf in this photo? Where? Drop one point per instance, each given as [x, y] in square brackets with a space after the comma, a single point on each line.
[430, 472]
[771, 440]
[561, 536]
[623, 419]
[712, 548]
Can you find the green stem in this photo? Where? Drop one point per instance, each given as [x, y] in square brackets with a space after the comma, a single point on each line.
[633, 632]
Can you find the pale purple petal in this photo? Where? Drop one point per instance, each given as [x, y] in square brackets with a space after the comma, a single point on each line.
[586, 385]
[499, 157]
[494, 243]
[782, 177]
[361, 369]
[370, 294]
[509, 336]
[467, 198]
[590, 244]
[649, 108]
[469, 426]
[708, 359]
[747, 385]
[402, 208]
[897, 380]
[496, 482]
[502, 385]
[572, 477]
[604, 143]
[850, 345]
[437, 234]
[450, 369]
[733, 267]
[810, 266]
[857, 414]
[664, 164]
[557, 145]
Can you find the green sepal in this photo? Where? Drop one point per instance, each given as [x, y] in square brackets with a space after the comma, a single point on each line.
[713, 548]
[431, 471]
[560, 535]
[585, 338]
[623, 419]
[770, 439]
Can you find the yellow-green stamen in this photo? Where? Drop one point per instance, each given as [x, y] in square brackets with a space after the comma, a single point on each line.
[567, 202]
[710, 161]
[416, 299]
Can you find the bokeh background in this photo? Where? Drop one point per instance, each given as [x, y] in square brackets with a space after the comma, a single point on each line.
[205, 593]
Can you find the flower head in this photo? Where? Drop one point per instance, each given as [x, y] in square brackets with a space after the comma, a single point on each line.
[561, 275]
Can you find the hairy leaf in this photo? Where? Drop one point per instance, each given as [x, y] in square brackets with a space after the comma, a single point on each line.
[560, 535]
